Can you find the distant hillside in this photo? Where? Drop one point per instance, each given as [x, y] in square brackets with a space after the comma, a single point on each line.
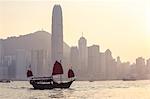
[36, 40]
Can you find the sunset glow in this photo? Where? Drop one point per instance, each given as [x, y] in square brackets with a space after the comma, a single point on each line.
[123, 26]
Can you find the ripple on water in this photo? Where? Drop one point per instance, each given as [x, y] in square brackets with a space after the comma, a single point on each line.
[79, 90]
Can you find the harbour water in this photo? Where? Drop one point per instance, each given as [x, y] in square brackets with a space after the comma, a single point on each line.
[79, 90]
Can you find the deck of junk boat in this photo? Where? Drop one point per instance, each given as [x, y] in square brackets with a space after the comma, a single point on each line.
[48, 83]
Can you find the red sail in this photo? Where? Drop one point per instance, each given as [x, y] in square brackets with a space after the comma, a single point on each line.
[29, 73]
[70, 73]
[57, 69]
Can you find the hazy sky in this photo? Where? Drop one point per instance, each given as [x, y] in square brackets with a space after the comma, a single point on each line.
[123, 26]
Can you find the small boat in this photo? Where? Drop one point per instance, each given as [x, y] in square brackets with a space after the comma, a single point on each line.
[5, 81]
[91, 81]
[129, 79]
[125, 79]
[48, 82]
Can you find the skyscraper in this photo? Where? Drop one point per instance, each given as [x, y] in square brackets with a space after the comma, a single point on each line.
[93, 62]
[57, 34]
[21, 64]
[83, 57]
[39, 62]
[74, 60]
[1, 51]
[140, 67]
[102, 66]
[108, 60]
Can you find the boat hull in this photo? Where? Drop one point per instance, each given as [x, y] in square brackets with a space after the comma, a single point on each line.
[50, 85]
[129, 79]
[42, 86]
[62, 85]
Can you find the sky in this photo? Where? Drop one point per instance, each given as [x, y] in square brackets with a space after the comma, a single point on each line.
[123, 26]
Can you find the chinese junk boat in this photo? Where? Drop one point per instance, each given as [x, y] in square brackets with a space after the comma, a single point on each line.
[48, 82]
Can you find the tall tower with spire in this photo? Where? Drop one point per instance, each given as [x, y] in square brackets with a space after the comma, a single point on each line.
[57, 34]
[83, 57]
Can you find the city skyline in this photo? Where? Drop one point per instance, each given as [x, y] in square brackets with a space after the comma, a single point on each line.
[41, 50]
[100, 34]
[98, 48]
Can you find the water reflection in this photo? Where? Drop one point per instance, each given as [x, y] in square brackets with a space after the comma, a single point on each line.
[61, 93]
[79, 90]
